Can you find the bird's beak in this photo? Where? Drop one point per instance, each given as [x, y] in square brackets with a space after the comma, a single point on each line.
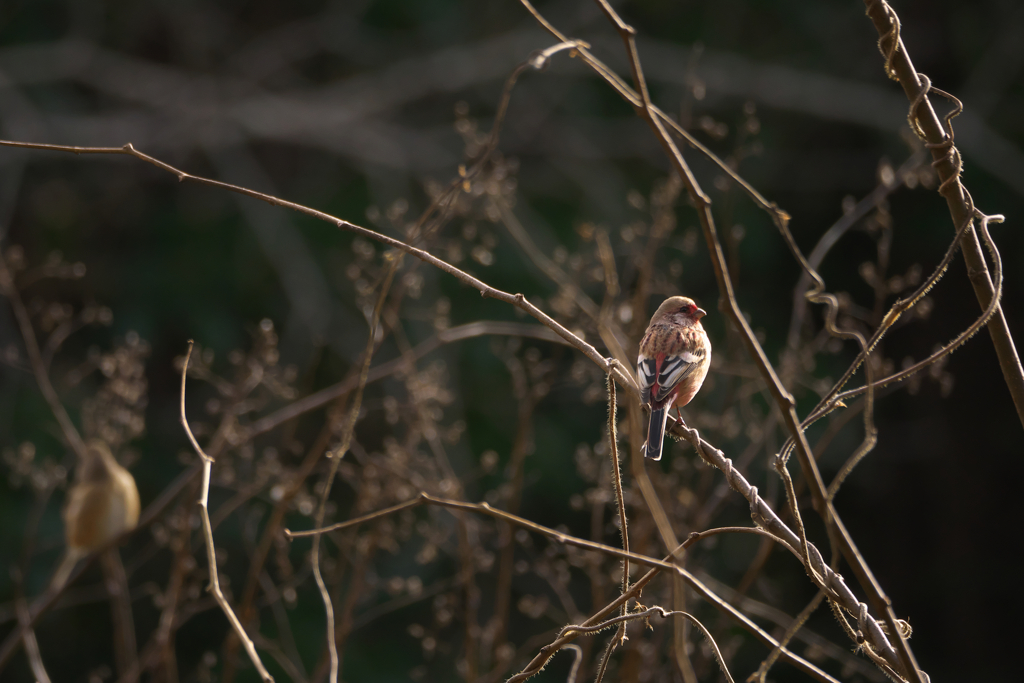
[701, 313]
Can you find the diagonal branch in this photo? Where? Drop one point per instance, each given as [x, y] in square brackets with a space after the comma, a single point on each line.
[9, 289]
[939, 139]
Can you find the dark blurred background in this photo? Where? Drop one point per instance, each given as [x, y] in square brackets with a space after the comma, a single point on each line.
[359, 108]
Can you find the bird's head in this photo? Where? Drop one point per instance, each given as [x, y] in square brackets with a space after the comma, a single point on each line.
[681, 309]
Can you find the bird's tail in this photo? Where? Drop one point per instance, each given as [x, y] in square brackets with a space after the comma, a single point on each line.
[656, 432]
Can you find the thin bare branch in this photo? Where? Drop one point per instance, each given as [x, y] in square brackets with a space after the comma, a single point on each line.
[35, 659]
[613, 450]
[486, 291]
[573, 629]
[9, 289]
[347, 431]
[211, 551]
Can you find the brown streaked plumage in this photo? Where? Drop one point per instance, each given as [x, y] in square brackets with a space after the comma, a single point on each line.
[675, 354]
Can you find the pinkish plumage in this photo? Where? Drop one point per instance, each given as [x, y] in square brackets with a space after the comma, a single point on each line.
[674, 358]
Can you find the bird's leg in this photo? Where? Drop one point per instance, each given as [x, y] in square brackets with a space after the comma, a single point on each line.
[680, 416]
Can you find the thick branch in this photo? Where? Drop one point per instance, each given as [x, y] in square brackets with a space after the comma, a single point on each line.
[946, 162]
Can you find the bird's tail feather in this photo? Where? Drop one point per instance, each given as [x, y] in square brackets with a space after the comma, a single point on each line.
[656, 432]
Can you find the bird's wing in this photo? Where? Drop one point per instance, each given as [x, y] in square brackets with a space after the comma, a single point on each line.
[646, 374]
[673, 370]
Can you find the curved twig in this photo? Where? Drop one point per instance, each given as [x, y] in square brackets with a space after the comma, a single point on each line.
[646, 614]
[211, 551]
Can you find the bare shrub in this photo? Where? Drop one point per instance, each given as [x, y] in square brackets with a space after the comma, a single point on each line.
[400, 478]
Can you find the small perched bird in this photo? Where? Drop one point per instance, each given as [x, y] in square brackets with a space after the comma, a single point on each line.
[102, 504]
[674, 357]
